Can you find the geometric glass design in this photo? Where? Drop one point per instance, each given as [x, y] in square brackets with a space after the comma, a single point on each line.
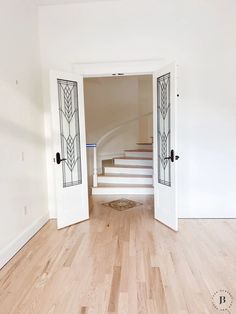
[163, 129]
[69, 132]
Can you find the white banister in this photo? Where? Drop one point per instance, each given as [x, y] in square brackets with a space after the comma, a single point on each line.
[107, 134]
[95, 167]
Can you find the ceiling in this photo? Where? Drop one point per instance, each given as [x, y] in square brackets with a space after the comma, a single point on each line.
[55, 2]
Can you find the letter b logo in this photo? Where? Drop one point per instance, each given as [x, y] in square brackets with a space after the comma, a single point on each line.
[222, 299]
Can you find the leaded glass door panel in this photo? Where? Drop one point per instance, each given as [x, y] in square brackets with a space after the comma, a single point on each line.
[69, 148]
[69, 132]
[164, 130]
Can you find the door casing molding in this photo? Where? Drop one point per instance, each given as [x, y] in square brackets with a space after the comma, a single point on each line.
[108, 69]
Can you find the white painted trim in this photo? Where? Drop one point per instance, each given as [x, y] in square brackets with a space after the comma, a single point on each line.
[53, 214]
[202, 213]
[129, 170]
[137, 180]
[15, 245]
[123, 191]
[98, 69]
[127, 67]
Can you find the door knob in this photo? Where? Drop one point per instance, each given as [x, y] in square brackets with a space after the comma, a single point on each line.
[172, 156]
[59, 159]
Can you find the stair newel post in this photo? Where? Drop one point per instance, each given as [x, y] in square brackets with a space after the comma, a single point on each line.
[95, 167]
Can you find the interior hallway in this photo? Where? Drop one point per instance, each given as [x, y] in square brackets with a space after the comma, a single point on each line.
[122, 262]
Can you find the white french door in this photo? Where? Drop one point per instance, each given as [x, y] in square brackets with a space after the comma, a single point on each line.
[164, 134]
[69, 146]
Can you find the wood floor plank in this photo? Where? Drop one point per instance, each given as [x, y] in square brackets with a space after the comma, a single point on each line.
[115, 288]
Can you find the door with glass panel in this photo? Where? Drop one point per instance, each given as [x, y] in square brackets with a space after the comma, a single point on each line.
[164, 146]
[69, 148]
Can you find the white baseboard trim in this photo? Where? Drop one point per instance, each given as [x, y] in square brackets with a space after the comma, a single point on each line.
[221, 216]
[15, 245]
[52, 215]
[209, 213]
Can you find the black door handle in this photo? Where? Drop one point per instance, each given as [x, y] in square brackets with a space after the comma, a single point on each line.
[59, 159]
[172, 156]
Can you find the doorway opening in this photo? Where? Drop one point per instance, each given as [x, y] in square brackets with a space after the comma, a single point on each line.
[118, 119]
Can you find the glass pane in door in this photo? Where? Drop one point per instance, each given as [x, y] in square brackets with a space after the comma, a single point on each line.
[163, 129]
[69, 132]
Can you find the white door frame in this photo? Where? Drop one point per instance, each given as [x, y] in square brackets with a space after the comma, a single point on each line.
[109, 69]
[100, 69]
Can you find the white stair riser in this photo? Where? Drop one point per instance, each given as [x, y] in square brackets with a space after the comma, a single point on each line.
[125, 180]
[133, 162]
[119, 170]
[139, 154]
[121, 191]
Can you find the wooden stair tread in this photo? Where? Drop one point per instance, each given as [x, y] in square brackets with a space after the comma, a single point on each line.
[128, 166]
[126, 175]
[133, 158]
[139, 150]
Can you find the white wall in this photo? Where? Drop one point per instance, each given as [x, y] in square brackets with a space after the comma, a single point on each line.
[23, 178]
[198, 34]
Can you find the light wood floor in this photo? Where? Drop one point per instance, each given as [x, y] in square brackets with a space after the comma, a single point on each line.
[122, 262]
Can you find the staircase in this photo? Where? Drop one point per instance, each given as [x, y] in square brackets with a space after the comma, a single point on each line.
[130, 174]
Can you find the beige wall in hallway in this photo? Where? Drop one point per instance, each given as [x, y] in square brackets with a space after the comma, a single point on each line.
[145, 107]
[112, 101]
